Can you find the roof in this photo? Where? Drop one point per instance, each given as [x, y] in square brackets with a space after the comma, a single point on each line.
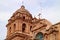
[23, 10]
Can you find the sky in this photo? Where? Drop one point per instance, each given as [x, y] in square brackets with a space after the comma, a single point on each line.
[49, 9]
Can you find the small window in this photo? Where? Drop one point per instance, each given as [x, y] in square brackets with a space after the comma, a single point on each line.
[39, 36]
[23, 27]
[10, 29]
[30, 28]
[23, 17]
[14, 27]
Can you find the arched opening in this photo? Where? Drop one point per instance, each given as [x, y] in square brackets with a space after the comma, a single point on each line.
[30, 28]
[23, 17]
[14, 27]
[23, 27]
[39, 36]
[10, 30]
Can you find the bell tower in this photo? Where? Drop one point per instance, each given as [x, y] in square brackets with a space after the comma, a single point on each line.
[19, 25]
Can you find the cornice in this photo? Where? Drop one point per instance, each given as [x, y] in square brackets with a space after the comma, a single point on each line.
[19, 18]
[39, 28]
[18, 34]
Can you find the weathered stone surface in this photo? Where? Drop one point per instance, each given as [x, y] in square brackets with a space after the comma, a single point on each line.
[22, 26]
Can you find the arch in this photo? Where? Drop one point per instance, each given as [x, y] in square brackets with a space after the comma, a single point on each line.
[39, 36]
[30, 28]
[14, 27]
[10, 30]
[23, 17]
[23, 27]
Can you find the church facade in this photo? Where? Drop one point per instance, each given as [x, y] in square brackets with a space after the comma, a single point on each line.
[22, 26]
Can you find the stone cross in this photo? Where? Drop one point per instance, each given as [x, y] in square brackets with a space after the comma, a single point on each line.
[39, 15]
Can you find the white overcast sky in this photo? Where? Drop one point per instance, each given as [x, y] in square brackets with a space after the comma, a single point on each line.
[50, 11]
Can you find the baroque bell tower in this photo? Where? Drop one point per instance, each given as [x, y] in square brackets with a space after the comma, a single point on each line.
[19, 25]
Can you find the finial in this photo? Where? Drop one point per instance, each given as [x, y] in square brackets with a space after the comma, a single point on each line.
[22, 2]
[22, 6]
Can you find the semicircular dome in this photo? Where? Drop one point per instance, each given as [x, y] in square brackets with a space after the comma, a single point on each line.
[23, 10]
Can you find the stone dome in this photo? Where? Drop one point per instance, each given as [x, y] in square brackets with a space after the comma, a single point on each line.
[23, 10]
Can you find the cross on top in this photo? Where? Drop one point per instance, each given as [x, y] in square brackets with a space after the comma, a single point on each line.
[22, 2]
[39, 15]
